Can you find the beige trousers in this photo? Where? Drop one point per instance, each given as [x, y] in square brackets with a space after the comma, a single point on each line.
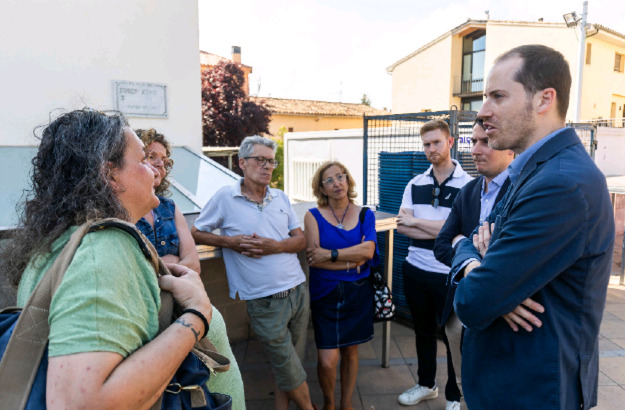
[453, 329]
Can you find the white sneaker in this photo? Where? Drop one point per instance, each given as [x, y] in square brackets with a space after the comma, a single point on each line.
[417, 393]
[452, 405]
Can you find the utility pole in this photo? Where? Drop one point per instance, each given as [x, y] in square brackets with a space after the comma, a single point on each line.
[580, 61]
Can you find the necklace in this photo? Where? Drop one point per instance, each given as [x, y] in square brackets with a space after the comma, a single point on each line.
[340, 225]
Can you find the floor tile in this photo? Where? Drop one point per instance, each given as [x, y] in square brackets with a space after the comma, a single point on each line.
[605, 380]
[378, 380]
[609, 345]
[613, 367]
[610, 398]
[386, 402]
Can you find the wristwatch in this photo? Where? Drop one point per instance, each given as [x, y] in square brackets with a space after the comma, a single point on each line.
[334, 254]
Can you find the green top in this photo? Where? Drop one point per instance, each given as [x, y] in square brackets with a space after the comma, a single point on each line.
[230, 382]
[108, 300]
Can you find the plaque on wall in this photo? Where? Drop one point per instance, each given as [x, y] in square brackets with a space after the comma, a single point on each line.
[137, 99]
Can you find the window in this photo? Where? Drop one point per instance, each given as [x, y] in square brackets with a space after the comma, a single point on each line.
[588, 52]
[619, 60]
[473, 53]
[473, 104]
[290, 129]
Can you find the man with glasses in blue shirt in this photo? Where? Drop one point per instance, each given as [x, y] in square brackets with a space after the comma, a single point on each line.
[425, 206]
[474, 203]
[260, 236]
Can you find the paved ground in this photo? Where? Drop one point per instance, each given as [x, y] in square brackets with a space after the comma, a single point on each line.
[378, 388]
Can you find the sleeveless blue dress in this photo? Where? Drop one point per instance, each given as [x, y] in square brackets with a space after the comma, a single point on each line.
[341, 301]
[164, 236]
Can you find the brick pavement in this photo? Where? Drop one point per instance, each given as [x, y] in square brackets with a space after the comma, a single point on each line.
[377, 388]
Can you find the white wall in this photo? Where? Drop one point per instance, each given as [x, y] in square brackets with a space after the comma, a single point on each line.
[66, 54]
[320, 146]
[423, 82]
[610, 152]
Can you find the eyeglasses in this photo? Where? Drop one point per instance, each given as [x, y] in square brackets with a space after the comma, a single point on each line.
[480, 122]
[330, 181]
[154, 158]
[435, 192]
[263, 160]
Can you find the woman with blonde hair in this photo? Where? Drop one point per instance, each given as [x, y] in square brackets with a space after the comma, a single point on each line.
[341, 242]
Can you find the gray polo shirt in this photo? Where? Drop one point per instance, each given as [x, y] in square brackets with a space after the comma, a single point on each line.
[231, 213]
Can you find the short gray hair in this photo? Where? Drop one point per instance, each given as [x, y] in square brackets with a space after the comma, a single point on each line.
[247, 146]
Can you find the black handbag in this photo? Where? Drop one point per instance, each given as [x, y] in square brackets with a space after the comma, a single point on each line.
[383, 305]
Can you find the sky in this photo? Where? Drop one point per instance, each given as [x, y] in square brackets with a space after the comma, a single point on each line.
[338, 50]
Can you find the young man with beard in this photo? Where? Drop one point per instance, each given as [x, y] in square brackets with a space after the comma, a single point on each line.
[425, 206]
[552, 242]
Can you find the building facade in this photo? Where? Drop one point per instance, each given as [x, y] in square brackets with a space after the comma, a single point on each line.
[70, 55]
[310, 115]
[451, 69]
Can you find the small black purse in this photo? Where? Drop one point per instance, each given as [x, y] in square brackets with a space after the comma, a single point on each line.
[383, 306]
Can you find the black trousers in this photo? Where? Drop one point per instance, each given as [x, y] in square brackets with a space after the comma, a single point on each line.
[426, 293]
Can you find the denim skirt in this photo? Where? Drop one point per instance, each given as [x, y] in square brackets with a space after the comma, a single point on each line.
[344, 317]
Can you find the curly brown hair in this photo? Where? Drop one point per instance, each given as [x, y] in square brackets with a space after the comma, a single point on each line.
[68, 184]
[322, 199]
[148, 137]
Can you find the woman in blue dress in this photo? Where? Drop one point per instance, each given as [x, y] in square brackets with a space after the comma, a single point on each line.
[165, 225]
[339, 249]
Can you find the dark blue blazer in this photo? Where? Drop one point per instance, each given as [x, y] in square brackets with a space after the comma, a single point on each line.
[463, 219]
[553, 241]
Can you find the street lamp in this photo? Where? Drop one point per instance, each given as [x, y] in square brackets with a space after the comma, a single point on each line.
[572, 20]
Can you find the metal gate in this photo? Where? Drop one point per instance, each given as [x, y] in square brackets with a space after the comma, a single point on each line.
[399, 133]
[587, 133]
[393, 156]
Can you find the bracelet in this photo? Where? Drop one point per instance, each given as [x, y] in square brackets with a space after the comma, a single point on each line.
[347, 268]
[201, 316]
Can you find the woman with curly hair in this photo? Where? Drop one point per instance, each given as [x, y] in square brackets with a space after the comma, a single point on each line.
[340, 243]
[103, 347]
[165, 225]
[168, 231]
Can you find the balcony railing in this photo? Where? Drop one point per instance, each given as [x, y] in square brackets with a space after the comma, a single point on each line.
[468, 85]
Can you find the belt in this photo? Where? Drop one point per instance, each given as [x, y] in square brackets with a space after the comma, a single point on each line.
[282, 294]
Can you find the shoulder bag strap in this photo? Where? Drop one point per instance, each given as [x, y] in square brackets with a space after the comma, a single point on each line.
[361, 218]
[28, 342]
[165, 314]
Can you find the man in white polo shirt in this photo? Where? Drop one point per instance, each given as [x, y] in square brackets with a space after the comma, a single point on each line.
[425, 206]
[260, 236]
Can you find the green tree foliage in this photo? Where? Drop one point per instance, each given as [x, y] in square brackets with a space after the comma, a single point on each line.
[277, 179]
[365, 100]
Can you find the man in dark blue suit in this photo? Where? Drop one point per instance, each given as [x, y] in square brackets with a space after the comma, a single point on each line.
[474, 203]
[546, 265]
